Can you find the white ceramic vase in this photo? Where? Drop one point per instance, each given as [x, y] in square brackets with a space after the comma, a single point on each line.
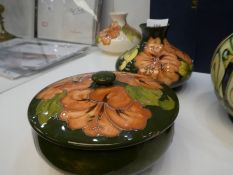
[119, 36]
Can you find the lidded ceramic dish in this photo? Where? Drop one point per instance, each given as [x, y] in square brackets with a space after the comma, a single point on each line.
[106, 114]
[222, 73]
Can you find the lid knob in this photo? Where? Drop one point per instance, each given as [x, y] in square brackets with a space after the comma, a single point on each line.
[104, 77]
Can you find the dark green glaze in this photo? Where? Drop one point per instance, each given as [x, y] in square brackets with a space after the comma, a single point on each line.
[129, 152]
[154, 32]
[103, 77]
[125, 161]
[164, 111]
[126, 65]
[130, 67]
[231, 118]
[183, 79]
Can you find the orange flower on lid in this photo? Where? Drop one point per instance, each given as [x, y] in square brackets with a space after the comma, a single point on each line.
[102, 112]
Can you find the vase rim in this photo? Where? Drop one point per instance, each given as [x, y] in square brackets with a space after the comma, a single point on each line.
[118, 13]
[143, 25]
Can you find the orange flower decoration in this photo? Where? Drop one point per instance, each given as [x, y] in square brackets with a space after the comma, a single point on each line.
[105, 111]
[67, 84]
[137, 80]
[102, 112]
[110, 33]
[160, 61]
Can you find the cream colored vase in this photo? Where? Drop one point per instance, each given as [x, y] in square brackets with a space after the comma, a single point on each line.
[118, 37]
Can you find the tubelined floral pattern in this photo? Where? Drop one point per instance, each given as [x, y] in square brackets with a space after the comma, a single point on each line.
[160, 60]
[103, 111]
[113, 31]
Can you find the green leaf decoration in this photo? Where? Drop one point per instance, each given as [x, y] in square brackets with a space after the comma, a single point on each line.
[219, 64]
[150, 97]
[184, 68]
[128, 56]
[144, 95]
[47, 109]
[217, 73]
[167, 104]
[229, 90]
[228, 59]
[98, 40]
[130, 32]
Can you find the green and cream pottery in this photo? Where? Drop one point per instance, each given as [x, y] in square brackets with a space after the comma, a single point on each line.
[103, 123]
[157, 58]
[222, 73]
[119, 36]
[4, 35]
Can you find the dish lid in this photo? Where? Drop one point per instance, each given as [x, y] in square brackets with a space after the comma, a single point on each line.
[103, 110]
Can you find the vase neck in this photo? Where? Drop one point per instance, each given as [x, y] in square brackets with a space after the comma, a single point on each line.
[154, 32]
[119, 17]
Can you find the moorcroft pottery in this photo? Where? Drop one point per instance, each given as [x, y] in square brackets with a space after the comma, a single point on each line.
[222, 73]
[103, 123]
[119, 36]
[157, 58]
[4, 35]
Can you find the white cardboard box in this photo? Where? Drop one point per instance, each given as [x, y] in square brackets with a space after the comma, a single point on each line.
[64, 20]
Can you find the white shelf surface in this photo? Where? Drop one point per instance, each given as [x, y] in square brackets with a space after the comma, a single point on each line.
[202, 144]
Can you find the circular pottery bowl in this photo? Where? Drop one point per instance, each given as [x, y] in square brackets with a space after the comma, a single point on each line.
[103, 123]
[222, 73]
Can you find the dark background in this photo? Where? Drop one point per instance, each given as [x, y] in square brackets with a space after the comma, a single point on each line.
[196, 26]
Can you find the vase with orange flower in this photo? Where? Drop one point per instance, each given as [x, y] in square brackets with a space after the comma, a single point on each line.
[156, 57]
[119, 36]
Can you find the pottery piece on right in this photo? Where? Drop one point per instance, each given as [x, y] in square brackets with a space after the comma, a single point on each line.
[222, 73]
[157, 58]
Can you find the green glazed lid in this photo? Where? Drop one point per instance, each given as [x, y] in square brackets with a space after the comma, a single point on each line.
[104, 110]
